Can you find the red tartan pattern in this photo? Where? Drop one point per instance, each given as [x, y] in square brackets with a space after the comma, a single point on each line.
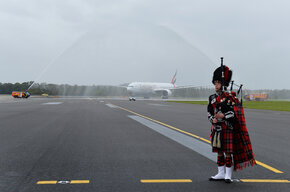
[227, 140]
[237, 141]
[221, 160]
[229, 161]
[243, 153]
[243, 156]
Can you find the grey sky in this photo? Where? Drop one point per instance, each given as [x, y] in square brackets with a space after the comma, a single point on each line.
[114, 42]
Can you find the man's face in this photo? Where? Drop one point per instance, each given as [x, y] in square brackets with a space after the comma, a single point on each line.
[217, 85]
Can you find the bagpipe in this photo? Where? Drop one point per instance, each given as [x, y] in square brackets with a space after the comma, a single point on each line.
[229, 97]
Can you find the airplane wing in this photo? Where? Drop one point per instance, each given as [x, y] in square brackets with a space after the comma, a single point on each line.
[164, 92]
[161, 90]
[120, 86]
[188, 86]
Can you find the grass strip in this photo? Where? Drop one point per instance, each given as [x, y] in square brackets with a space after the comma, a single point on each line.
[265, 105]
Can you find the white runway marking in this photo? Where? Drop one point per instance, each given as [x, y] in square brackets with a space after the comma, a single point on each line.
[110, 105]
[52, 103]
[8, 102]
[158, 105]
[200, 147]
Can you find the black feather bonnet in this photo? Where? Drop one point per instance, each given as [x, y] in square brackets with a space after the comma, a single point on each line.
[217, 75]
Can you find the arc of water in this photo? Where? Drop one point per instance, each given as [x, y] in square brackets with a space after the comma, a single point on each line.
[192, 46]
[53, 61]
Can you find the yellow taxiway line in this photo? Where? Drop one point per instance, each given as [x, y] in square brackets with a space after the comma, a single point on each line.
[66, 182]
[166, 181]
[268, 167]
[79, 181]
[192, 135]
[264, 181]
[46, 182]
[190, 181]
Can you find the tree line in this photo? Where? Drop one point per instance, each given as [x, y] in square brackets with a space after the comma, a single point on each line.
[106, 90]
[63, 89]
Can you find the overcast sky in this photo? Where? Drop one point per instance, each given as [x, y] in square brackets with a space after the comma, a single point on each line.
[120, 41]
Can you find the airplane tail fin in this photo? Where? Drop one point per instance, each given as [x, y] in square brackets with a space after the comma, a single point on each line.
[174, 78]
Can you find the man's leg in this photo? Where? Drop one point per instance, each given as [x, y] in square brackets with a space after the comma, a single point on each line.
[229, 168]
[221, 168]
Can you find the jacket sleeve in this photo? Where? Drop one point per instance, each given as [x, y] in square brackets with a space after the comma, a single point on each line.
[228, 111]
[210, 110]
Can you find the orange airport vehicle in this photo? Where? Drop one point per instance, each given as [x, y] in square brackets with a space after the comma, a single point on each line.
[256, 97]
[20, 94]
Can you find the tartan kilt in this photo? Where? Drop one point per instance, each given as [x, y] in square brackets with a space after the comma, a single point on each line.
[227, 140]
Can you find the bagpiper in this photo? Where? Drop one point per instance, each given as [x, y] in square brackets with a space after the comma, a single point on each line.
[229, 135]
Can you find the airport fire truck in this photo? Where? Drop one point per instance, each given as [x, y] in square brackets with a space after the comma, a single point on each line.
[256, 97]
[20, 94]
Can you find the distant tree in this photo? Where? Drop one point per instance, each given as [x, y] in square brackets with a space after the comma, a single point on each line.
[105, 90]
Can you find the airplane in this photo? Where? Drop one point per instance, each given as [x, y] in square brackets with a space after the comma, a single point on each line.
[147, 89]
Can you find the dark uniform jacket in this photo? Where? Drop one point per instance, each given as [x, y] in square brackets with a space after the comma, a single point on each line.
[227, 110]
[222, 131]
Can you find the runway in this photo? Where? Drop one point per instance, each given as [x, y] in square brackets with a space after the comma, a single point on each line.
[89, 144]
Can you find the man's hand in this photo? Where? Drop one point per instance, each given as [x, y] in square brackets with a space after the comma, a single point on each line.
[214, 120]
[219, 115]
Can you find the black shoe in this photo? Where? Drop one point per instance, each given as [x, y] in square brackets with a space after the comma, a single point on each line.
[212, 179]
[228, 180]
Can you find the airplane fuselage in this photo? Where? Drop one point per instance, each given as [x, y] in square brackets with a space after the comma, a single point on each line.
[147, 88]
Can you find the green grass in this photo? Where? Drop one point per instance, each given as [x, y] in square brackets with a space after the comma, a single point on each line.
[265, 105]
[191, 102]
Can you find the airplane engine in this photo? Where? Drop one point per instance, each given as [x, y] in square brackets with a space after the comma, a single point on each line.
[166, 93]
